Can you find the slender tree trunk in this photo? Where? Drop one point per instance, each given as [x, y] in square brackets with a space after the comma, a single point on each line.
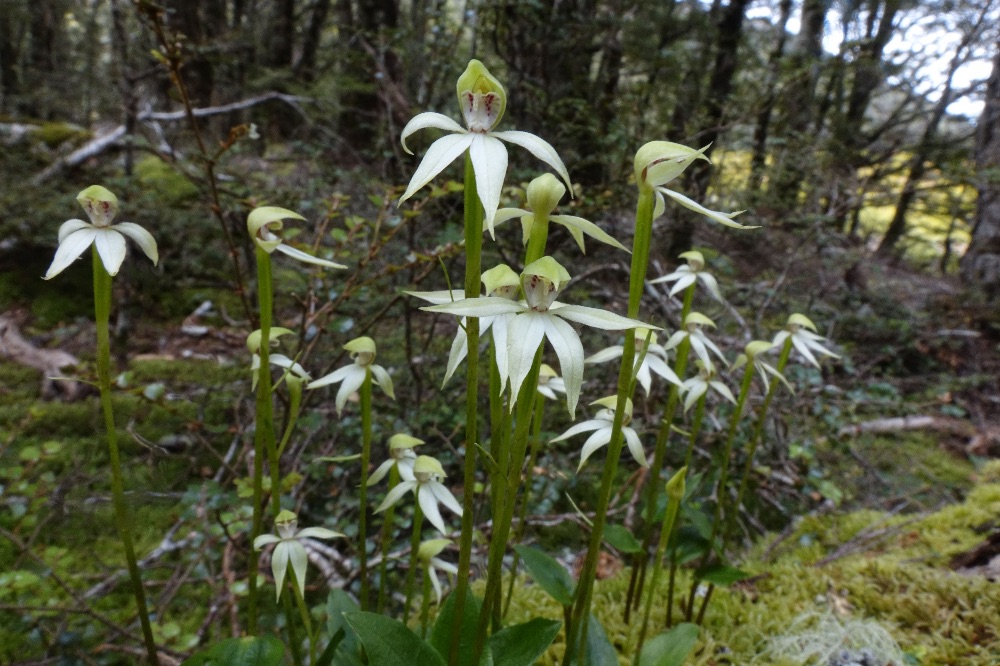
[981, 263]
[762, 126]
[306, 67]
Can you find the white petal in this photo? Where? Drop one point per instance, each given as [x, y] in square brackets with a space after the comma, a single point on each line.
[279, 563]
[352, 382]
[435, 583]
[657, 365]
[69, 249]
[483, 306]
[721, 218]
[524, 336]
[597, 440]
[505, 214]
[500, 326]
[489, 161]
[605, 355]
[675, 339]
[334, 377]
[305, 257]
[459, 350]
[540, 149]
[569, 350]
[723, 390]
[405, 469]
[635, 446]
[643, 375]
[711, 284]
[70, 227]
[683, 283]
[572, 222]
[602, 319]
[441, 153]
[585, 426]
[444, 496]
[779, 338]
[142, 238]
[711, 345]
[396, 494]
[317, 533]
[381, 471]
[427, 120]
[803, 349]
[428, 504]
[444, 566]
[297, 556]
[546, 392]
[111, 247]
[265, 539]
[698, 345]
[382, 378]
[695, 391]
[659, 207]
[670, 277]
[436, 297]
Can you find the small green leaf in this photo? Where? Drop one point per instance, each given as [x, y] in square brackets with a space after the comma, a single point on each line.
[257, 650]
[621, 539]
[338, 459]
[670, 648]
[523, 644]
[30, 454]
[721, 574]
[388, 642]
[548, 573]
[600, 652]
[440, 638]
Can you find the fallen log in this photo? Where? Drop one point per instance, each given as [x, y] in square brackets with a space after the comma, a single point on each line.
[51, 362]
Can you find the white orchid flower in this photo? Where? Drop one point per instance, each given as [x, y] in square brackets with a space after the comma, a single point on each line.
[426, 485]
[501, 282]
[754, 353]
[602, 425]
[659, 162]
[541, 317]
[543, 195]
[483, 101]
[75, 236]
[549, 382]
[805, 341]
[428, 554]
[264, 221]
[655, 359]
[401, 456]
[290, 550]
[692, 330]
[353, 376]
[294, 370]
[687, 275]
[697, 386]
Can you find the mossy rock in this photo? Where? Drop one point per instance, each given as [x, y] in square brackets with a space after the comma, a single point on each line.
[55, 134]
[898, 584]
[170, 186]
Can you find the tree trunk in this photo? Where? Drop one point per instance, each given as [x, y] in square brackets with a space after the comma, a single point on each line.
[9, 47]
[762, 126]
[981, 263]
[306, 67]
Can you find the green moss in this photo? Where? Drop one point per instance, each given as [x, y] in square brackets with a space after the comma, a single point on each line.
[54, 134]
[901, 582]
[170, 185]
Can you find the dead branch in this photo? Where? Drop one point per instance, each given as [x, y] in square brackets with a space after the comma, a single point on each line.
[51, 362]
[98, 145]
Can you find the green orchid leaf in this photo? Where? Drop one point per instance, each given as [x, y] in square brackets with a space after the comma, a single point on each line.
[523, 644]
[388, 642]
[721, 575]
[600, 652]
[621, 539]
[670, 648]
[257, 650]
[548, 573]
[338, 459]
[440, 638]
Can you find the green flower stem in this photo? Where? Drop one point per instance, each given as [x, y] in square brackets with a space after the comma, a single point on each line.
[536, 446]
[425, 605]
[501, 529]
[666, 532]
[102, 316]
[264, 422]
[387, 524]
[411, 573]
[755, 438]
[720, 490]
[473, 250]
[304, 614]
[537, 239]
[294, 406]
[637, 280]
[366, 454]
[286, 607]
[641, 561]
[498, 440]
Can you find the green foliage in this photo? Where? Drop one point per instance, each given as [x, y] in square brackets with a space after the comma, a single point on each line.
[523, 644]
[388, 642]
[257, 650]
[172, 187]
[550, 575]
[671, 648]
